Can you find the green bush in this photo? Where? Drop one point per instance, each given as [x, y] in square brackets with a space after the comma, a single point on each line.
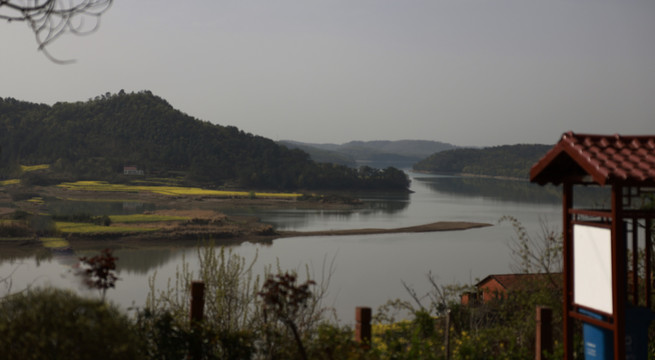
[331, 341]
[42, 225]
[58, 324]
[169, 338]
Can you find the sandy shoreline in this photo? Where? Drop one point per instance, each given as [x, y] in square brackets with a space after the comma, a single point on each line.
[436, 226]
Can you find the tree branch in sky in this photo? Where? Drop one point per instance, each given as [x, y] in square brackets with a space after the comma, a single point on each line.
[49, 19]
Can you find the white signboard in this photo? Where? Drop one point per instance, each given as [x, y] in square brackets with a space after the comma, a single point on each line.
[592, 267]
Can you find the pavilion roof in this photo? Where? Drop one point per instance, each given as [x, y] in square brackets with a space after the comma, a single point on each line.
[599, 159]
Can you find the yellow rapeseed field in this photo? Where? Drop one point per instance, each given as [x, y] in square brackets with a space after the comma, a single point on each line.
[26, 168]
[168, 190]
[9, 182]
[54, 243]
[141, 218]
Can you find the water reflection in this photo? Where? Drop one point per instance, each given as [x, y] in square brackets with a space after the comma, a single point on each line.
[513, 190]
[386, 203]
[375, 205]
[142, 261]
[368, 269]
[497, 189]
[379, 209]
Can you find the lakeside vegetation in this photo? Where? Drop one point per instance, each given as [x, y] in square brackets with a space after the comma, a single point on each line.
[280, 315]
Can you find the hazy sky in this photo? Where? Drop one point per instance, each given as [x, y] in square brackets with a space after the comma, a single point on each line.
[468, 72]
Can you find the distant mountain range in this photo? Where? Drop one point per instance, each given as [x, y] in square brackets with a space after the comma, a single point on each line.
[511, 161]
[379, 154]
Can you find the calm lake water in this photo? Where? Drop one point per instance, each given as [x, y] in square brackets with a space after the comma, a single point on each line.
[366, 270]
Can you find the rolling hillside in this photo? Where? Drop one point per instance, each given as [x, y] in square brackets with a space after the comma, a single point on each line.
[513, 161]
[97, 138]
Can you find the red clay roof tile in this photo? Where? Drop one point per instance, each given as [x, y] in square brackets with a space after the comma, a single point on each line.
[606, 158]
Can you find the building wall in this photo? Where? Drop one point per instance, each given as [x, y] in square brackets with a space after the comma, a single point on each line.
[492, 290]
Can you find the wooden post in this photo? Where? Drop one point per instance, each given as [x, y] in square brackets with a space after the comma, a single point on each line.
[196, 315]
[619, 276]
[447, 336]
[197, 301]
[567, 255]
[544, 335]
[363, 326]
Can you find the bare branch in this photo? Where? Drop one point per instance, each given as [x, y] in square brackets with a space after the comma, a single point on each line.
[49, 19]
[413, 294]
[541, 254]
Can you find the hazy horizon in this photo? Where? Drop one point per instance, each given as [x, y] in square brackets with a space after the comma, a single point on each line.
[465, 72]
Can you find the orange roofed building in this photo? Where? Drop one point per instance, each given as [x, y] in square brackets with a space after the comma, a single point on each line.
[495, 287]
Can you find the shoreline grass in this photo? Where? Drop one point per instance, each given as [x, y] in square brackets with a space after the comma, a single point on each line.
[145, 218]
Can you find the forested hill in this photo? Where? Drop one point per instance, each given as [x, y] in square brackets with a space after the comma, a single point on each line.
[512, 161]
[96, 138]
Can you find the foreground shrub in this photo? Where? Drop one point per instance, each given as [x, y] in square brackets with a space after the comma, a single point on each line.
[281, 323]
[230, 291]
[228, 329]
[331, 341]
[284, 300]
[58, 324]
[166, 338]
[419, 338]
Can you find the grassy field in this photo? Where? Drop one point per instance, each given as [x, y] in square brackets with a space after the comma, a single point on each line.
[168, 190]
[27, 168]
[145, 218]
[88, 228]
[9, 182]
[54, 242]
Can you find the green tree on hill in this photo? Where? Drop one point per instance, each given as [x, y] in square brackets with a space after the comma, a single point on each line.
[506, 161]
[96, 138]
